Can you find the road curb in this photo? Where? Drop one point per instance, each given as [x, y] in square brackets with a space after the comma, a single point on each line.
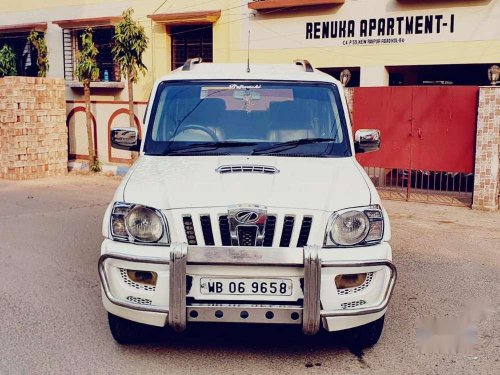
[108, 169]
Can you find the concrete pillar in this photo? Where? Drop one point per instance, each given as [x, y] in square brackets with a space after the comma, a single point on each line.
[372, 76]
[349, 98]
[486, 174]
[53, 39]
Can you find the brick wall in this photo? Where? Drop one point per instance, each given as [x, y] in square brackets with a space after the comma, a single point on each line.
[487, 174]
[33, 132]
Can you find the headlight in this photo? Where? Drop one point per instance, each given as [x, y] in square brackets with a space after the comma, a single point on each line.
[136, 223]
[356, 226]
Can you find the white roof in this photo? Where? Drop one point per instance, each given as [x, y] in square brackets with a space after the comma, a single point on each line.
[273, 72]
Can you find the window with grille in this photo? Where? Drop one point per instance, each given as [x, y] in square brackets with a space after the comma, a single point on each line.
[25, 53]
[103, 40]
[191, 41]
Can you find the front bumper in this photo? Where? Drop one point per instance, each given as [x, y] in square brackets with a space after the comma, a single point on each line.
[172, 263]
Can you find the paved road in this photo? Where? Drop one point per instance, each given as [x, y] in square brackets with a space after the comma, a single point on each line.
[52, 320]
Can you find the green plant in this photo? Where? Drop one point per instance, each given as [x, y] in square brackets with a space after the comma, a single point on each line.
[96, 166]
[130, 43]
[86, 70]
[7, 62]
[37, 40]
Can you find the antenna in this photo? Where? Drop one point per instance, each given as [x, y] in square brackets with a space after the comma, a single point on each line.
[248, 53]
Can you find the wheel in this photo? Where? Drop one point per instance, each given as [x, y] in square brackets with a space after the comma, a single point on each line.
[128, 332]
[364, 336]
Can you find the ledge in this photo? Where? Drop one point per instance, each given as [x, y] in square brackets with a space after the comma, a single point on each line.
[272, 4]
[39, 26]
[186, 18]
[87, 22]
[97, 85]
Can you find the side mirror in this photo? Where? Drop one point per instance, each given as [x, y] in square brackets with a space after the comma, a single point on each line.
[125, 139]
[366, 140]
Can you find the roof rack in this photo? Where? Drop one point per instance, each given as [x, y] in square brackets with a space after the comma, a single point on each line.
[188, 65]
[306, 64]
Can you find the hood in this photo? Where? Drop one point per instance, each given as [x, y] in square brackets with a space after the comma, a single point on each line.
[172, 182]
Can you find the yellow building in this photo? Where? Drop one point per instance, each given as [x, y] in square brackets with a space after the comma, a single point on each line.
[381, 42]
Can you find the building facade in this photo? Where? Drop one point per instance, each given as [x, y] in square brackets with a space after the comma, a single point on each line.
[382, 42]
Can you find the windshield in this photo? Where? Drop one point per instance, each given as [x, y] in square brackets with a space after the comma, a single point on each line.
[247, 118]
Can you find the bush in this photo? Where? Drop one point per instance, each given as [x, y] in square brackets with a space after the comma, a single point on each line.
[38, 42]
[7, 62]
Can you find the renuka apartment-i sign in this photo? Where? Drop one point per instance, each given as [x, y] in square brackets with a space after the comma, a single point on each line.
[380, 30]
[373, 25]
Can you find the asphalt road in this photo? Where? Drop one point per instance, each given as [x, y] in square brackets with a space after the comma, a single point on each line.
[52, 320]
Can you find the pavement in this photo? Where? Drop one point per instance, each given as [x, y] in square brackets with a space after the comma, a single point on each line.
[52, 320]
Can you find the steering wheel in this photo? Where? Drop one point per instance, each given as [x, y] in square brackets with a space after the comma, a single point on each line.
[204, 129]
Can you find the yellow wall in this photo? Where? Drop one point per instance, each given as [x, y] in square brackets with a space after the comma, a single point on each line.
[230, 38]
[15, 6]
[278, 37]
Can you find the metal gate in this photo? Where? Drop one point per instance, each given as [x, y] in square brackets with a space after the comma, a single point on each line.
[428, 141]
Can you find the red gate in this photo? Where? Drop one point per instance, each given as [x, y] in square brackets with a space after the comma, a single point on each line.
[428, 138]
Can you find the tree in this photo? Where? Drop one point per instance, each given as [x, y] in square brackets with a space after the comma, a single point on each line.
[86, 71]
[7, 62]
[130, 43]
[42, 61]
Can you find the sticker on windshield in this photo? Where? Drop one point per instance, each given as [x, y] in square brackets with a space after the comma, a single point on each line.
[207, 91]
[243, 87]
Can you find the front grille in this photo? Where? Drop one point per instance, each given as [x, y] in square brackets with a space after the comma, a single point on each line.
[206, 227]
[189, 229]
[286, 235]
[305, 229]
[269, 231]
[247, 234]
[247, 169]
[353, 304]
[139, 301]
[225, 235]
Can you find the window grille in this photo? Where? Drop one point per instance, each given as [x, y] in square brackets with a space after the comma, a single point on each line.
[25, 53]
[191, 41]
[103, 40]
[68, 54]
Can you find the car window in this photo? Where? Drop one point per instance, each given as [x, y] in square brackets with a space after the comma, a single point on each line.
[258, 112]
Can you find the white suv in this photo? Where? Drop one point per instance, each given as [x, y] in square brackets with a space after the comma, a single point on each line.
[247, 205]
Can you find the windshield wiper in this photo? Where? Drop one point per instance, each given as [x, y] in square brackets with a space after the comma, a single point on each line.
[207, 146]
[289, 145]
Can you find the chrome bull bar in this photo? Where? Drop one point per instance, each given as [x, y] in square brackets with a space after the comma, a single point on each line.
[180, 255]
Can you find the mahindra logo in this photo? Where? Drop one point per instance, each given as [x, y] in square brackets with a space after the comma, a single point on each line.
[247, 217]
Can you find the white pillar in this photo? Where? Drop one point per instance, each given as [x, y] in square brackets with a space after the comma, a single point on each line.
[54, 41]
[374, 76]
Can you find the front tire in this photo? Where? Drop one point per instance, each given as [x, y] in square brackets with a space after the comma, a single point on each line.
[128, 332]
[364, 336]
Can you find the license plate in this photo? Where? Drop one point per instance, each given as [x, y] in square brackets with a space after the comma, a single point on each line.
[260, 287]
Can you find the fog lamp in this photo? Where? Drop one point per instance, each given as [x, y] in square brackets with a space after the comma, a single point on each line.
[349, 280]
[143, 277]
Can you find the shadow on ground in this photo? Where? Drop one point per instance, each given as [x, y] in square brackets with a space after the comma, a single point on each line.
[259, 339]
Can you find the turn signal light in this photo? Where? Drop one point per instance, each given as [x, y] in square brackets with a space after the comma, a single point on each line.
[349, 280]
[118, 227]
[143, 277]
